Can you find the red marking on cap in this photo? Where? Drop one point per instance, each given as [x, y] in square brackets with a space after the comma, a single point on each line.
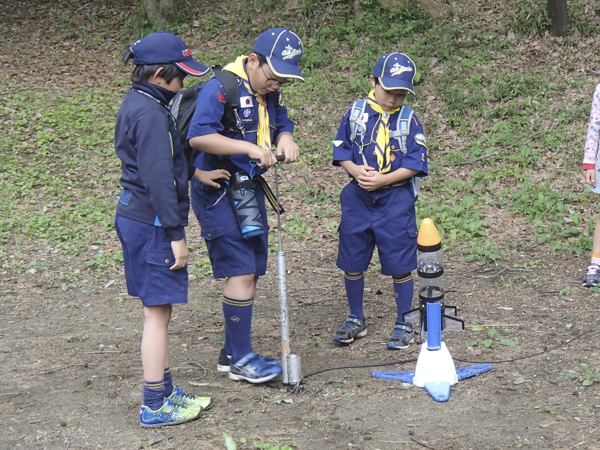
[221, 98]
[187, 52]
[191, 71]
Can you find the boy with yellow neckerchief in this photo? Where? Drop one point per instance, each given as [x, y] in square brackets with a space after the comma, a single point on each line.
[382, 147]
[261, 122]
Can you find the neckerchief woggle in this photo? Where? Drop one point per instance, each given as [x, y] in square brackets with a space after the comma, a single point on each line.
[382, 134]
[263, 135]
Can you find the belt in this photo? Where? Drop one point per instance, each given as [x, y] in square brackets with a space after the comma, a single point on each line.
[398, 184]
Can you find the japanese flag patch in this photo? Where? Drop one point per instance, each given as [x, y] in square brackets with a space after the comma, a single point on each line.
[246, 101]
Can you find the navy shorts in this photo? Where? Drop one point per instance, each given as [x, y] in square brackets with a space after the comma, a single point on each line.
[385, 218]
[147, 256]
[230, 254]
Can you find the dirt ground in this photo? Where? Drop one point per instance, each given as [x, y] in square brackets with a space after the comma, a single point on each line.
[70, 368]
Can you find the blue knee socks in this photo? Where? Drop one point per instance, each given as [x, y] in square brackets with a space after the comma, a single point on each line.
[355, 286]
[168, 382]
[153, 394]
[403, 293]
[238, 326]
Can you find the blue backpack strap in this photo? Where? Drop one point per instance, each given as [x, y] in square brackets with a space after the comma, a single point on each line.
[402, 127]
[401, 134]
[357, 125]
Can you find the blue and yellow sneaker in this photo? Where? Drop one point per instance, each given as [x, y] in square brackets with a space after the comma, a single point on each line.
[181, 398]
[168, 414]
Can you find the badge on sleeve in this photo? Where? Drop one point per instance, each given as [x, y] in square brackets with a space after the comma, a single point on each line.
[420, 139]
[337, 143]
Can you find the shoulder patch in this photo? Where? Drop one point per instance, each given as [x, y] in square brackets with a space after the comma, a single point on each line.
[337, 143]
[420, 139]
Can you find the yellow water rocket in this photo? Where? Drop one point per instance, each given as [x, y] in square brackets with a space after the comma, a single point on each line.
[430, 270]
[435, 369]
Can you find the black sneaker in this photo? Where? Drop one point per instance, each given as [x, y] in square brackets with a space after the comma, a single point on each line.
[224, 363]
[402, 337]
[592, 276]
[353, 328]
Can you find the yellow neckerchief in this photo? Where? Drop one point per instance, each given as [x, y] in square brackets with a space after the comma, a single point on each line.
[382, 134]
[263, 137]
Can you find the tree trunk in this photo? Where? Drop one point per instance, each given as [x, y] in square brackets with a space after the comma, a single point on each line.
[161, 12]
[559, 16]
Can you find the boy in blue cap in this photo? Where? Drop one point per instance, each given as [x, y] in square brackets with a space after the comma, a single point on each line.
[152, 212]
[381, 145]
[262, 122]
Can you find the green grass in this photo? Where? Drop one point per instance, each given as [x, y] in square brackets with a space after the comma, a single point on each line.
[520, 141]
[59, 175]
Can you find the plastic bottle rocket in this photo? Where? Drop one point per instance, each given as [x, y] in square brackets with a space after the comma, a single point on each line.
[435, 369]
[430, 270]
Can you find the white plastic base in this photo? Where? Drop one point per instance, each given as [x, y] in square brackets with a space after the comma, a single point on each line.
[434, 365]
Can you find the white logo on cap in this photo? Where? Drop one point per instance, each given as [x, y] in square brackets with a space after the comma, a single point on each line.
[397, 69]
[290, 52]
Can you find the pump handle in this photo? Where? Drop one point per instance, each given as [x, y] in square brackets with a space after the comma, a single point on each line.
[280, 158]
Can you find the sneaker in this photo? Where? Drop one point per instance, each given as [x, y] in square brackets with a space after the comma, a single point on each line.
[402, 337]
[224, 363]
[592, 276]
[181, 398]
[254, 369]
[353, 328]
[168, 414]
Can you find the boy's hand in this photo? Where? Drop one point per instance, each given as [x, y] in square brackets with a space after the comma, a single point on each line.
[266, 157]
[287, 146]
[370, 179]
[209, 177]
[181, 253]
[590, 176]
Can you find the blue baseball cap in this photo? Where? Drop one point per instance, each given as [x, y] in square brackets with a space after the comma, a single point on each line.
[166, 48]
[395, 71]
[283, 50]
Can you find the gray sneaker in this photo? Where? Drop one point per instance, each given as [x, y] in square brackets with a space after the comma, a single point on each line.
[353, 328]
[402, 337]
[592, 276]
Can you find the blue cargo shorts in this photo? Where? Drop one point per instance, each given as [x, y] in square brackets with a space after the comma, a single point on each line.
[230, 254]
[384, 218]
[147, 256]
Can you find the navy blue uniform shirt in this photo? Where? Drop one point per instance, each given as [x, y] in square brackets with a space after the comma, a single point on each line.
[416, 154]
[154, 168]
[207, 120]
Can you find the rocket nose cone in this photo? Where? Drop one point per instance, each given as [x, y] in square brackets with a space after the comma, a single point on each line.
[428, 234]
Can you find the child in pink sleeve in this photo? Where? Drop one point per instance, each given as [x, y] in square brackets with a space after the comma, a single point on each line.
[592, 276]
